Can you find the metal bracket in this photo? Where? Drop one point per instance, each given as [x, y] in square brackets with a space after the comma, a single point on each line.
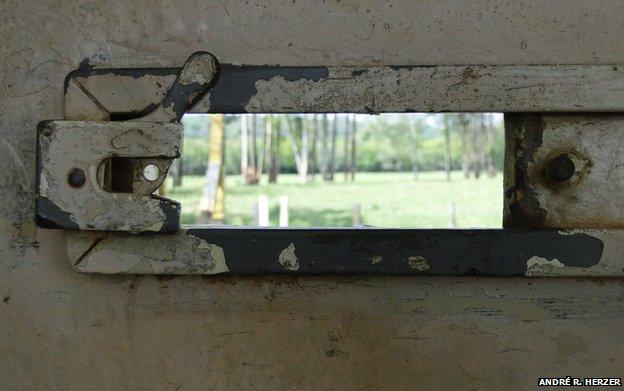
[243, 251]
[564, 171]
[554, 163]
[101, 175]
[133, 92]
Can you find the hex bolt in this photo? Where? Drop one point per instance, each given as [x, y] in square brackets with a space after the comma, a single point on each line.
[560, 168]
[151, 172]
[76, 178]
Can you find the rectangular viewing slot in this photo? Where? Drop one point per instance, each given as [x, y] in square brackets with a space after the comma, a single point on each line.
[401, 170]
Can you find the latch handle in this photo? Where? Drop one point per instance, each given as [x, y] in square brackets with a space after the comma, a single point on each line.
[195, 78]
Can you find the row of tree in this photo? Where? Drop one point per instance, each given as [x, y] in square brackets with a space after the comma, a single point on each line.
[312, 140]
[477, 138]
[322, 145]
[314, 144]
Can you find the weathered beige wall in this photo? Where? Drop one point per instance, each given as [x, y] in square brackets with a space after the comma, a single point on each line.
[63, 330]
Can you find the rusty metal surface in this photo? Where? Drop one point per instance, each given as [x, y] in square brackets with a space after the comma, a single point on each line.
[539, 193]
[63, 330]
[259, 89]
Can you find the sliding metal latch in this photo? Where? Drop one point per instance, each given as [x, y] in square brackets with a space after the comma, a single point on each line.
[563, 170]
[102, 175]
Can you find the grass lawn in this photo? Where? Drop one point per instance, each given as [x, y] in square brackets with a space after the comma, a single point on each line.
[386, 199]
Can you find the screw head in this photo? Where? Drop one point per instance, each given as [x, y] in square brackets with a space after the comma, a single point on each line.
[560, 168]
[151, 172]
[76, 178]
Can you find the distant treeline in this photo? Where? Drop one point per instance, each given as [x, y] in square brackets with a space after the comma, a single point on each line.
[388, 142]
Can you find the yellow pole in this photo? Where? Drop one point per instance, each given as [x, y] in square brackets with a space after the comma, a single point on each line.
[212, 205]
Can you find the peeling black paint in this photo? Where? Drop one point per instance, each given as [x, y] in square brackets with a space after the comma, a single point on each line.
[85, 64]
[50, 215]
[135, 73]
[230, 92]
[234, 86]
[448, 252]
[172, 211]
[47, 213]
[133, 114]
[523, 136]
[180, 96]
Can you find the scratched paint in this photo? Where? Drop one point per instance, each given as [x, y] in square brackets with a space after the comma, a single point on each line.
[393, 329]
[66, 145]
[261, 89]
[285, 251]
[587, 199]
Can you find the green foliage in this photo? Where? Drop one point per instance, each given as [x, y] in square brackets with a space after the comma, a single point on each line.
[383, 144]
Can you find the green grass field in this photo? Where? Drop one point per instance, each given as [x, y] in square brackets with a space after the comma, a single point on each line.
[386, 199]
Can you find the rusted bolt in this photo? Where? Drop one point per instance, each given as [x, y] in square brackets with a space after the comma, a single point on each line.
[560, 168]
[76, 177]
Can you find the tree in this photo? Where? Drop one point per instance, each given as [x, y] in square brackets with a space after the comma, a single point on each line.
[266, 135]
[313, 170]
[274, 161]
[253, 177]
[324, 146]
[212, 203]
[347, 133]
[414, 130]
[295, 126]
[477, 160]
[464, 121]
[353, 145]
[489, 156]
[447, 146]
[244, 146]
[176, 172]
[249, 150]
[331, 164]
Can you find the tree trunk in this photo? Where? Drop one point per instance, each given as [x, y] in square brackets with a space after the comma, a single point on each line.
[324, 147]
[212, 203]
[447, 148]
[265, 144]
[301, 158]
[489, 157]
[272, 147]
[305, 149]
[313, 170]
[414, 145]
[464, 121]
[176, 172]
[251, 175]
[477, 145]
[332, 156]
[353, 147]
[244, 146]
[347, 133]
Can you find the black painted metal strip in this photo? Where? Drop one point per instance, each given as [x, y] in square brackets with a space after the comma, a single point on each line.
[397, 251]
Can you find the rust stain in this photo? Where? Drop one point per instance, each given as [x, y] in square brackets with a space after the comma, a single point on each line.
[523, 137]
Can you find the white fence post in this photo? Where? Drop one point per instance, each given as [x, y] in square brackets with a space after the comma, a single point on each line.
[263, 211]
[357, 215]
[283, 211]
[452, 216]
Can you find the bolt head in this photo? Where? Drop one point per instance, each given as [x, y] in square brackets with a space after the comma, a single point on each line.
[76, 178]
[560, 168]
